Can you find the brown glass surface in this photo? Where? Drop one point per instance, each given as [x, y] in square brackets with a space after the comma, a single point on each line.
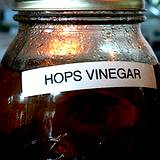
[109, 124]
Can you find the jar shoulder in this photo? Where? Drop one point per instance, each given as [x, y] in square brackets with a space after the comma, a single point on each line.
[80, 43]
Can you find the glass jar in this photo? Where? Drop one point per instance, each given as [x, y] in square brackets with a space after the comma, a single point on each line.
[79, 82]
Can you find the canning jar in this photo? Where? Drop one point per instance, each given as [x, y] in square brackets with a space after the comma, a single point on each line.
[79, 82]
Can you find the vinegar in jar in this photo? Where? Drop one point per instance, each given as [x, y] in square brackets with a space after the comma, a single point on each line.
[93, 124]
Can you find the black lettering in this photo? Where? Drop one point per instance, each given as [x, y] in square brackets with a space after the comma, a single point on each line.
[137, 73]
[130, 74]
[68, 75]
[48, 79]
[90, 75]
[121, 73]
[77, 75]
[60, 79]
[102, 74]
[96, 73]
[112, 73]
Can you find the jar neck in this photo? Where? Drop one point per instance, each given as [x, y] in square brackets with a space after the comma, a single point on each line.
[64, 37]
[81, 17]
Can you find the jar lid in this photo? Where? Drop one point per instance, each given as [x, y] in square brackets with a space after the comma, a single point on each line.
[79, 5]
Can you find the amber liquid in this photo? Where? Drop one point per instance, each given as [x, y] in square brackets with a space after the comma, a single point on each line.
[96, 124]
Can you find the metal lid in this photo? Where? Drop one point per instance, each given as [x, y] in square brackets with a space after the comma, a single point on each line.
[79, 5]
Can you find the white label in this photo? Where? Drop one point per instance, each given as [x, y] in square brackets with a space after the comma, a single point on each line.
[87, 75]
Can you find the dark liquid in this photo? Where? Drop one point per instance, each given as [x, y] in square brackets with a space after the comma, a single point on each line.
[96, 124]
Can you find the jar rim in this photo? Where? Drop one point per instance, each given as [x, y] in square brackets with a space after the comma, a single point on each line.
[79, 5]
